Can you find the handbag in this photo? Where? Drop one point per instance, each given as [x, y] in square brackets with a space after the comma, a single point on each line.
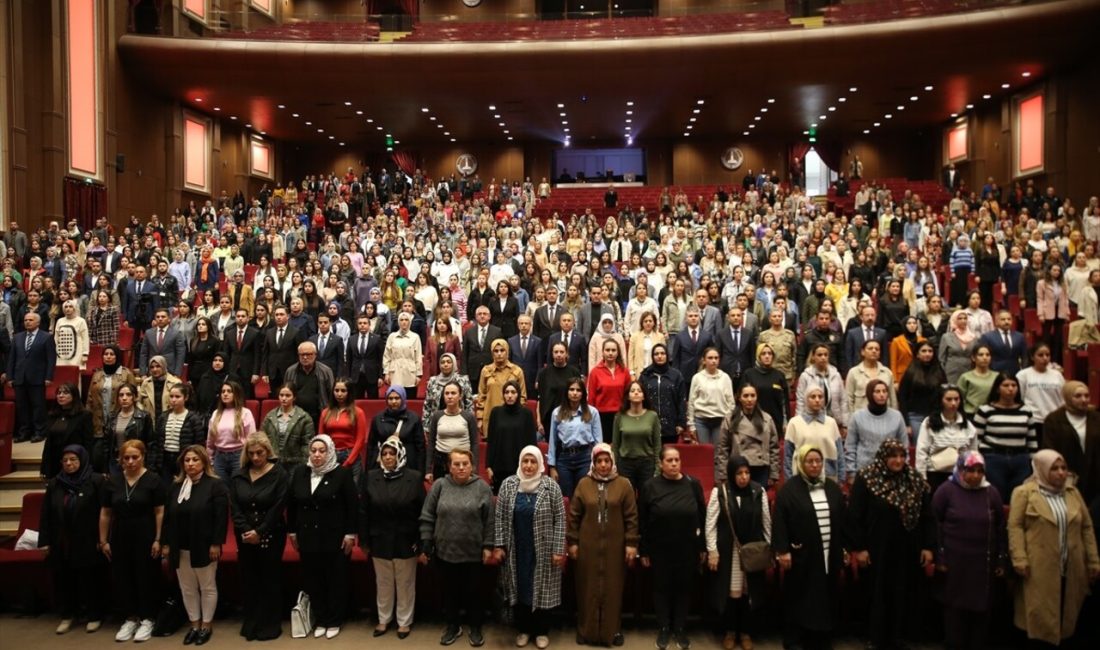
[301, 617]
[944, 460]
[755, 556]
[170, 618]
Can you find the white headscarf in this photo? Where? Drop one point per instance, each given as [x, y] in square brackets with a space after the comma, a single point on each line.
[330, 455]
[530, 484]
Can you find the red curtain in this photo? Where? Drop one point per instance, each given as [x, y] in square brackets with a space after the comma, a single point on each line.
[831, 153]
[405, 161]
[411, 7]
[84, 201]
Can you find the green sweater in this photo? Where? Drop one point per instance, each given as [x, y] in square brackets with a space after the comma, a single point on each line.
[975, 389]
[636, 436]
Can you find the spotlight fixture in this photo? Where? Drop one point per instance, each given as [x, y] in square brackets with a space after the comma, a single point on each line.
[853, 89]
[347, 103]
[771, 100]
[1025, 75]
[987, 96]
[424, 109]
[282, 105]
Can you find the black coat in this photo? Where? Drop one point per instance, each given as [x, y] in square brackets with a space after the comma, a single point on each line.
[277, 358]
[72, 531]
[64, 429]
[667, 394]
[193, 432]
[504, 319]
[200, 522]
[809, 593]
[389, 521]
[322, 518]
[139, 428]
[243, 362]
[367, 367]
[260, 505]
[475, 356]
[720, 582]
[384, 425]
[201, 354]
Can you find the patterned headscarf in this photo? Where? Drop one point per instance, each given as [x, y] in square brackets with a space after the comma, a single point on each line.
[903, 490]
[395, 443]
[968, 459]
[603, 448]
[800, 463]
[330, 455]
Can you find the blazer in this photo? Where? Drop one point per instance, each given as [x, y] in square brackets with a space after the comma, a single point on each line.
[33, 367]
[243, 361]
[246, 299]
[139, 428]
[1059, 435]
[365, 367]
[584, 323]
[277, 358]
[543, 325]
[1047, 306]
[389, 513]
[684, 354]
[736, 360]
[530, 364]
[505, 318]
[1005, 359]
[103, 325]
[321, 518]
[206, 516]
[475, 356]
[578, 349]
[333, 354]
[146, 398]
[432, 354]
[853, 345]
[132, 303]
[174, 350]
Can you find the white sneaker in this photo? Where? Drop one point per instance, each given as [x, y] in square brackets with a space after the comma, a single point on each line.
[542, 642]
[93, 626]
[144, 631]
[319, 632]
[64, 626]
[332, 632]
[126, 632]
[522, 640]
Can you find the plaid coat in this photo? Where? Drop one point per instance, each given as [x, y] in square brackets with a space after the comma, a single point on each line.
[103, 326]
[549, 533]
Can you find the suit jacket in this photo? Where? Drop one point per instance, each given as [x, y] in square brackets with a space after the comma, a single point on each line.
[578, 350]
[853, 345]
[684, 355]
[1047, 307]
[951, 181]
[1059, 435]
[505, 318]
[321, 518]
[173, 349]
[544, 326]
[712, 320]
[476, 356]
[584, 317]
[531, 363]
[205, 524]
[33, 367]
[735, 360]
[365, 367]
[139, 312]
[277, 358]
[247, 299]
[243, 361]
[333, 354]
[1005, 359]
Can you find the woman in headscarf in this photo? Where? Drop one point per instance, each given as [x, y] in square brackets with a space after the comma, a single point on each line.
[737, 514]
[402, 357]
[103, 396]
[530, 541]
[322, 506]
[258, 492]
[904, 347]
[814, 427]
[773, 393]
[943, 437]
[665, 389]
[208, 389]
[206, 275]
[808, 540]
[870, 427]
[456, 533]
[604, 330]
[397, 420]
[971, 551]
[194, 532]
[448, 372]
[68, 531]
[494, 376]
[154, 388]
[70, 333]
[510, 427]
[671, 520]
[955, 346]
[892, 534]
[391, 499]
[919, 386]
[751, 433]
[1053, 550]
[603, 541]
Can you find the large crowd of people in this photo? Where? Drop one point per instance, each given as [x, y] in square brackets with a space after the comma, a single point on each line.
[846, 363]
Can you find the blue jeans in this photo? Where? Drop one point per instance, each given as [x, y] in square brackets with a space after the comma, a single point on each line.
[226, 463]
[915, 420]
[1006, 471]
[707, 430]
[571, 467]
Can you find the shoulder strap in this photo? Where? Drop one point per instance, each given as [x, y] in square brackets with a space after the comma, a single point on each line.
[729, 519]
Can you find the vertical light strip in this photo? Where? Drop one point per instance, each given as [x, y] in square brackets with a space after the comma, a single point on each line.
[196, 155]
[1029, 135]
[83, 88]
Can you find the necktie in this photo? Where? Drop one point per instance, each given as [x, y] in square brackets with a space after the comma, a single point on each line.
[160, 338]
[553, 311]
[321, 347]
[481, 337]
[737, 351]
[30, 341]
[1008, 341]
[867, 335]
[279, 337]
[240, 338]
[566, 339]
[694, 336]
[362, 345]
[523, 347]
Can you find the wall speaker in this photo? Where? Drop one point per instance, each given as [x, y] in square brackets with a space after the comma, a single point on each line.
[120, 162]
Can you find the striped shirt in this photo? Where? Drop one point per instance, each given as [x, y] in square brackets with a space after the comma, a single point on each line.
[824, 522]
[172, 427]
[962, 258]
[1057, 503]
[1006, 430]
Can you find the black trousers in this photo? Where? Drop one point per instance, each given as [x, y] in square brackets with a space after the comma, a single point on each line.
[1053, 334]
[738, 616]
[461, 591]
[637, 470]
[607, 423]
[964, 630]
[261, 577]
[326, 580]
[80, 588]
[960, 285]
[533, 622]
[673, 577]
[32, 420]
[136, 580]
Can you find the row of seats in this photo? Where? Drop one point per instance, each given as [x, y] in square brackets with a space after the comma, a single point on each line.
[329, 31]
[851, 13]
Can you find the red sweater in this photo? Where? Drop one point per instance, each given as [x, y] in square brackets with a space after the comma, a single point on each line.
[344, 434]
[605, 391]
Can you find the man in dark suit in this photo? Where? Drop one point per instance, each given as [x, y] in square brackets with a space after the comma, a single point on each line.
[330, 347]
[688, 345]
[736, 345]
[548, 316]
[1008, 348]
[363, 360]
[951, 178]
[475, 344]
[574, 341]
[242, 346]
[526, 352]
[280, 347]
[140, 294]
[30, 370]
[165, 340]
[854, 338]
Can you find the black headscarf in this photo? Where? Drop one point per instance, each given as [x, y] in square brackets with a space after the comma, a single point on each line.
[75, 481]
[744, 513]
[875, 409]
[110, 369]
[662, 368]
[512, 408]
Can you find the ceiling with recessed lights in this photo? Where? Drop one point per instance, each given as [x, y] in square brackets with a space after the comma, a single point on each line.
[836, 82]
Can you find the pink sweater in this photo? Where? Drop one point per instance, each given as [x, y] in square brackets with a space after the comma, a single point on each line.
[221, 435]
